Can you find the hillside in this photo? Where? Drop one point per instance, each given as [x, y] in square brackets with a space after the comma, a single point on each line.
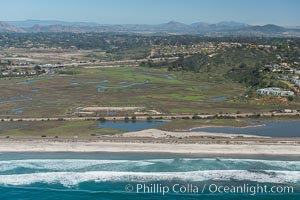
[4, 27]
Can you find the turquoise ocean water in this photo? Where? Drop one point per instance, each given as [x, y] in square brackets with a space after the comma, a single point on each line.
[118, 176]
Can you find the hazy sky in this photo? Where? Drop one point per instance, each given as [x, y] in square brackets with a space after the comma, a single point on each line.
[281, 12]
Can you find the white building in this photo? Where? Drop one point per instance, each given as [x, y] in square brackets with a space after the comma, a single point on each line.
[275, 91]
[5, 73]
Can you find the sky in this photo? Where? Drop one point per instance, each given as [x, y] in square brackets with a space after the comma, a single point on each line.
[254, 12]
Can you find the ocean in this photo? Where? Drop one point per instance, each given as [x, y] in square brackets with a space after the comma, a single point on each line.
[66, 176]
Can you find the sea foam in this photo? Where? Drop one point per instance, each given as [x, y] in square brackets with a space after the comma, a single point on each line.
[63, 164]
[74, 178]
[182, 164]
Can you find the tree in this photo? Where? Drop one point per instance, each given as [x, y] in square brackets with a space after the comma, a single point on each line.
[290, 98]
[37, 69]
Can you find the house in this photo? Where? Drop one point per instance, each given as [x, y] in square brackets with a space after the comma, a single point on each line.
[288, 70]
[31, 72]
[277, 70]
[5, 73]
[48, 68]
[284, 64]
[288, 111]
[295, 81]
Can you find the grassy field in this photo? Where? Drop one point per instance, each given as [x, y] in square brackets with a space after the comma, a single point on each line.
[54, 128]
[168, 92]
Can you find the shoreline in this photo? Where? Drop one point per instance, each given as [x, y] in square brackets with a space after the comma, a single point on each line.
[216, 126]
[157, 133]
[250, 149]
[238, 127]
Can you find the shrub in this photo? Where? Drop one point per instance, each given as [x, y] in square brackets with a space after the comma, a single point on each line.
[149, 118]
[133, 118]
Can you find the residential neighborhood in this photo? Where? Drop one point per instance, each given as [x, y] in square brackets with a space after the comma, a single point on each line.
[30, 70]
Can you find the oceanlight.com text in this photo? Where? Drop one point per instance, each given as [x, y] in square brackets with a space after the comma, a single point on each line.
[250, 189]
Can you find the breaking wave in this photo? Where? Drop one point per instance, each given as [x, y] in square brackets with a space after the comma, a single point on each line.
[153, 165]
[63, 164]
[68, 179]
[71, 172]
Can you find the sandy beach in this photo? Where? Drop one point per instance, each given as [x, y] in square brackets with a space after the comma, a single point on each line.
[210, 149]
[157, 141]
[155, 133]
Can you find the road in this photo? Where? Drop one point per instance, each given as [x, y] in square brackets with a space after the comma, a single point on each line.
[157, 117]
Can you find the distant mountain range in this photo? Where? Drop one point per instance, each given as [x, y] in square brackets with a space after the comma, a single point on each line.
[229, 28]
[5, 27]
[31, 22]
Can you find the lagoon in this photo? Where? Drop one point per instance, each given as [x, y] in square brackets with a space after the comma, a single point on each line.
[123, 85]
[266, 128]
[18, 111]
[218, 99]
[169, 77]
